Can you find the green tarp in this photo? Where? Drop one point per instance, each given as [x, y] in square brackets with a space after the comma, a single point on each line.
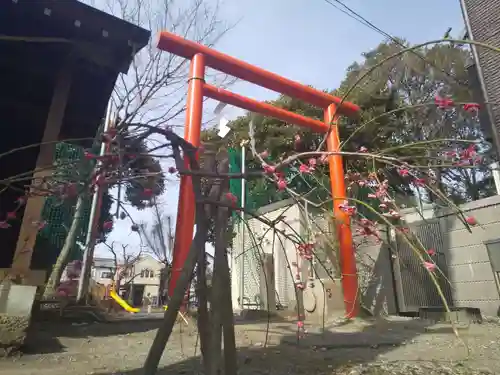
[235, 184]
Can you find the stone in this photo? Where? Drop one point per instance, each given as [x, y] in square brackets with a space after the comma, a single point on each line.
[12, 333]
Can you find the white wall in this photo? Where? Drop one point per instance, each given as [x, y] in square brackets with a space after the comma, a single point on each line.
[138, 275]
[97, 275]
[141, 274]
[259, 240]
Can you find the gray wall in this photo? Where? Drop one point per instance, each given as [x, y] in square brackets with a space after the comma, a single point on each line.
[374, 270]
[470, 272]
[375, 274]
[467, 261]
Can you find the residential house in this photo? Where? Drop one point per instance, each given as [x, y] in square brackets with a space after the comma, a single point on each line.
[103, 271]
[142, 278]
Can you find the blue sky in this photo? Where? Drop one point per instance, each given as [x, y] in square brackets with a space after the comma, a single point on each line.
[311, 42]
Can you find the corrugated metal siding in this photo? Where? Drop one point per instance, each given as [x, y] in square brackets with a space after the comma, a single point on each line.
[417, 287]
[484, 26]
[286, 291]
[104, 263]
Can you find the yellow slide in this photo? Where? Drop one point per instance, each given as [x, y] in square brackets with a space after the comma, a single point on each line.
[123, 303]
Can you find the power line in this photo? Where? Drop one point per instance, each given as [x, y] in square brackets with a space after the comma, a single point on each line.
[340, 6]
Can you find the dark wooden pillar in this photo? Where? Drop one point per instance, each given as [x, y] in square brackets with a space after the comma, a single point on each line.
[34, 205]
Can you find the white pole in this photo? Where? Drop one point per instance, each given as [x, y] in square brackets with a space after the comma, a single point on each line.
[242, 232]
[496, 176]
[88, 254]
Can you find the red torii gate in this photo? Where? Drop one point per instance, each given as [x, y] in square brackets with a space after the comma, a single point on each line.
[201, 57]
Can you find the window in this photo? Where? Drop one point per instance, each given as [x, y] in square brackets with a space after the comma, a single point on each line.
[147, 273]
[106, 275]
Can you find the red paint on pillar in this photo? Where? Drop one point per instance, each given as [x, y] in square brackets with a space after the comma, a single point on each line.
[343, 222]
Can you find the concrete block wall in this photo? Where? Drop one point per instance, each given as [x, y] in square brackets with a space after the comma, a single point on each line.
[469, 267]
[467, 261]
[376, 285]
[468, 264]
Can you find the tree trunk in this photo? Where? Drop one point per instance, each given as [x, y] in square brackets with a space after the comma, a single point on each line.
[203, 315]
[226, 309]
[165, 330]
[69, 243]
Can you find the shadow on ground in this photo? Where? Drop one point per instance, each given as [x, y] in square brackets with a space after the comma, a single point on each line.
[316, 353]
[45, 328]
[43, 336]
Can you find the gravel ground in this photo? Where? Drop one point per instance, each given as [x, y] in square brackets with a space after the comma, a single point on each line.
[398, 346]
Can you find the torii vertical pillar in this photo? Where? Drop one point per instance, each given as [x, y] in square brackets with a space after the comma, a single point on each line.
[342, 219]
[187, 205]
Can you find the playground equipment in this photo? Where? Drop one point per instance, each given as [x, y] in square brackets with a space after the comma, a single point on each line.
[202, 57]
[183, 317]
[123, 304]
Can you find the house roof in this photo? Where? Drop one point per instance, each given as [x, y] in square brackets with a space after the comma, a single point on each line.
[37, 37]
[75, 22]
[104, 263]
[148, 256]
[110, 263]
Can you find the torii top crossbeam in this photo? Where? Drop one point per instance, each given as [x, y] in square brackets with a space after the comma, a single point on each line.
[202, 57]
[240, 69]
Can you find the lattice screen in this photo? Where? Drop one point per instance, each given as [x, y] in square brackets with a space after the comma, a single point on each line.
[283, 276]
[246, 259]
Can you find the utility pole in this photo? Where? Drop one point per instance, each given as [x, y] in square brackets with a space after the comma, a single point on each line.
[168, 255]
[170, 237]
[95, 213]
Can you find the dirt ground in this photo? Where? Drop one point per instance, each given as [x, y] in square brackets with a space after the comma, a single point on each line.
[396, 346]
